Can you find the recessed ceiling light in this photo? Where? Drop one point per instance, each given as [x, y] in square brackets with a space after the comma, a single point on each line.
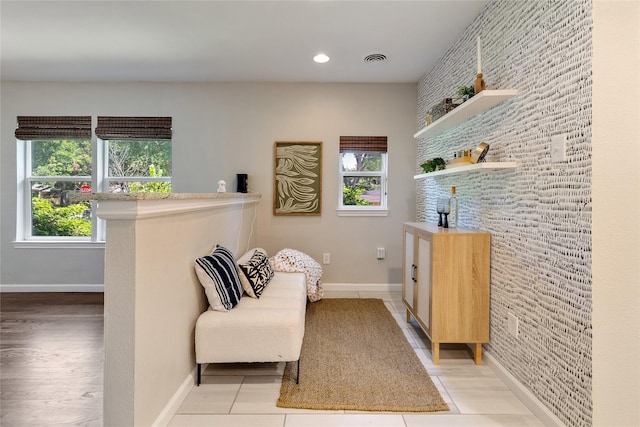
[321, 58]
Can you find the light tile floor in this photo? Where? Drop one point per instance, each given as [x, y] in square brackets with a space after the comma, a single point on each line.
[240, 395]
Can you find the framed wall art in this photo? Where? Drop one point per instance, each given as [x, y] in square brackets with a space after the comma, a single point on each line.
[297, 188]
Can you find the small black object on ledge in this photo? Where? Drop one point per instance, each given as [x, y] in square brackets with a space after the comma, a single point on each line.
[242, 182]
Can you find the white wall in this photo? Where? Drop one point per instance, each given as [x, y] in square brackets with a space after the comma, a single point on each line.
[153, 297]
[616, 213]
[221, 129]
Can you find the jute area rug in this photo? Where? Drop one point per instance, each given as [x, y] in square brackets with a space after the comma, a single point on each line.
[355, 357]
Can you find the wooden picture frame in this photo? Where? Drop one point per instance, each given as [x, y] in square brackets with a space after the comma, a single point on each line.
[297, 178]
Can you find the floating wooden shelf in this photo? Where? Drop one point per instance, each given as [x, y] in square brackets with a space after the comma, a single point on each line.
[469, 168]
[480, 103]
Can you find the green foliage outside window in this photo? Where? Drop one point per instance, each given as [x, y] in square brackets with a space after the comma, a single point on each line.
[61, 158]
[354, 187]
[50, 220]
[141, 158]
[150, 187]
[51, 213]
[352, 196]
[136, 158]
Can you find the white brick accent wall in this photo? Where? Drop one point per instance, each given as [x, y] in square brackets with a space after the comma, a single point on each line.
[540, 213]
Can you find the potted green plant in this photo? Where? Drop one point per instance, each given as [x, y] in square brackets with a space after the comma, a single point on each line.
[433, 165]
[466, 92]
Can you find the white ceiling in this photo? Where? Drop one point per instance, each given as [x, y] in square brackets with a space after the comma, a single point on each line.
[227, 40]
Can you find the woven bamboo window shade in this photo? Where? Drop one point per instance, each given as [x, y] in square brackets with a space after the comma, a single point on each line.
[363, 144]
[110, 128]
[53, 127]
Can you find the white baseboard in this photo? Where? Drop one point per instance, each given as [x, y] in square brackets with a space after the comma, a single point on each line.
[364, 287]
[51, 288]
[174, 403]
[530, 401]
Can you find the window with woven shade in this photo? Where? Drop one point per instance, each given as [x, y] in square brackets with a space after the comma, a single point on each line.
[55, 159]
[138, 153]
[363, 175]
[57, 156]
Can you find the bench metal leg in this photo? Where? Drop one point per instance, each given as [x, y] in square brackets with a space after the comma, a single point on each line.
[199, 373]
[298, 373]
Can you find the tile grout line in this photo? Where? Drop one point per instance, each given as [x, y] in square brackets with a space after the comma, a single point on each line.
[235, 398]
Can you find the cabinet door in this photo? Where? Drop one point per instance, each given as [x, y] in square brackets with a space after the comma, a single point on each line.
[408, 274]
[424, 283]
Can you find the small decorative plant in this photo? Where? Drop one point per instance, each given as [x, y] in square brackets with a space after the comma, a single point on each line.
[433, 165]
[466, 91]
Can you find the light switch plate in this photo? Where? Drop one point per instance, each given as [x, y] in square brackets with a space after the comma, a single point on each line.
[559, 148]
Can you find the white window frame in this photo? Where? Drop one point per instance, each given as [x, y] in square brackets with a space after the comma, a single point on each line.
[24, 220]
[366, 210]
[99, 183]
[107, 180]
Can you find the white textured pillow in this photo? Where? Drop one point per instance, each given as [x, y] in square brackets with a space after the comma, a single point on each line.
[255, 272]
[218, 275]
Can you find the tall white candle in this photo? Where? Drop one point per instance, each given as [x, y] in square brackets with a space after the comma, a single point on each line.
[479, 60]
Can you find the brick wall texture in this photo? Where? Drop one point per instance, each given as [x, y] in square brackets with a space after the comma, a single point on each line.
[539, 214]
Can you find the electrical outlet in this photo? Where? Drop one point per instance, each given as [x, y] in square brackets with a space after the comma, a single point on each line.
[558, 148]
[512, 324]
[326, 258]
[381, 253]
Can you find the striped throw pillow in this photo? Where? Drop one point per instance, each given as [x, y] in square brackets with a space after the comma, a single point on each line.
[218, 276]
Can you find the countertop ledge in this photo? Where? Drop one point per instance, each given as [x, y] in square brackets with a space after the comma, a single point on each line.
[134, 206]
[79, 197]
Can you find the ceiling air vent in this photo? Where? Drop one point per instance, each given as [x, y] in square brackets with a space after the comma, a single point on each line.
[375, 57]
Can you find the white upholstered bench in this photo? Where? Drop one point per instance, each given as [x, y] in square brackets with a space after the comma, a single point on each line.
[268, 329]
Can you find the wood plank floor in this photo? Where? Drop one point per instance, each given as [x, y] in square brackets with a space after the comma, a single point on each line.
[51, 359]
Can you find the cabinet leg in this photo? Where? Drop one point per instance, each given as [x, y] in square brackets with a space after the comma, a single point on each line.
[408, 317]
[478, 353]
[435, 352]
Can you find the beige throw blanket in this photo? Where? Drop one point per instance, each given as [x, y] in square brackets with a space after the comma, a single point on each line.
[293, 261]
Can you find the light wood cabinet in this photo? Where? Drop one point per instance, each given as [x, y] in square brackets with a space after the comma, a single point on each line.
[445, 287]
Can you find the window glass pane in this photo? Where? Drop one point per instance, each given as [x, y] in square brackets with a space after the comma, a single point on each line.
[67, 157]
[364, 162]
[139, 158]
[361, 191]
[53, 214]
[140, 187]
